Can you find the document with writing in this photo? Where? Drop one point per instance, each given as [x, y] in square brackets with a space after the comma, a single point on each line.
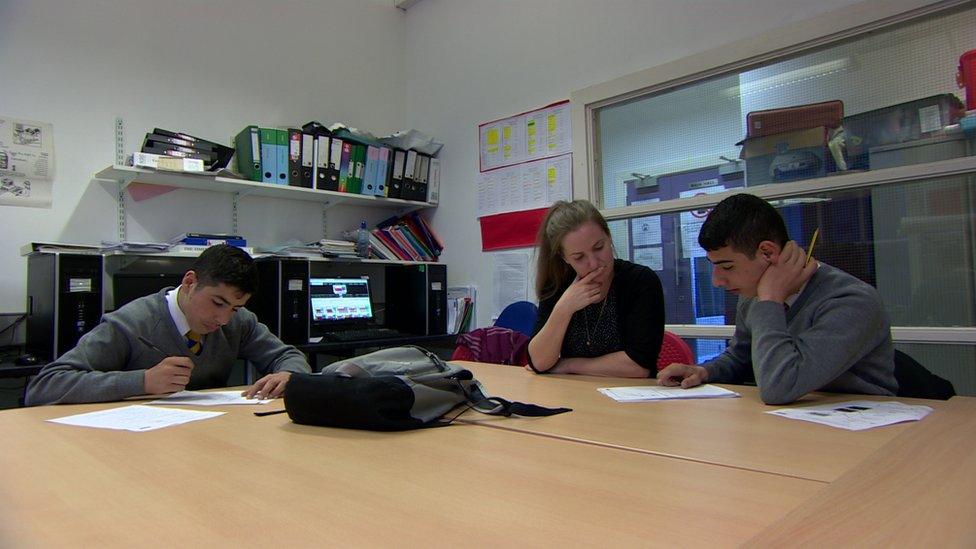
[856, 415]
[135, 418]
[660, 392]
[208, 398]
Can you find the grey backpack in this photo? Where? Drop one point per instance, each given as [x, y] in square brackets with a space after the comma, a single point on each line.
[393, 390]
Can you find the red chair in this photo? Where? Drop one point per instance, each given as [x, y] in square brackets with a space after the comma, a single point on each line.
[674, 349]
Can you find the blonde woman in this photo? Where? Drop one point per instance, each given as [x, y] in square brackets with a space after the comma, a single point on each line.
[597, 315]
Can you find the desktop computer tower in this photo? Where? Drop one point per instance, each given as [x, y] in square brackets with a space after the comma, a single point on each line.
[64, 301]
[416, 298]
[282, 300]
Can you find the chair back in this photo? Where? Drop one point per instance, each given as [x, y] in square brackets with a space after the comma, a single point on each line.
[494, 344]
[915, 381]
[674, 349]
[519, 316]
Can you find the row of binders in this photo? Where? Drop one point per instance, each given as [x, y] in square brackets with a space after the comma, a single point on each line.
[407, 238]
[316, 158]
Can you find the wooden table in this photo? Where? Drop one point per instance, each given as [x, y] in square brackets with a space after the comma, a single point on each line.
[730, 432]
[647, 474]
[245, 481]
[919, 490]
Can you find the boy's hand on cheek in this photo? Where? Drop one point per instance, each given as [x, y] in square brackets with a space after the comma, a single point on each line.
[785, 275]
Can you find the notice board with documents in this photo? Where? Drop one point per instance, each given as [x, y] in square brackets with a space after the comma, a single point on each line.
[525, 165]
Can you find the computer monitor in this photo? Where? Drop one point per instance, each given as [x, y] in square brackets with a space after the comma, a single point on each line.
[339, 302]
[127, 287]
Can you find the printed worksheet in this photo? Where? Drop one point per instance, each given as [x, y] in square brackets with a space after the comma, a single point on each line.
[136, 418]
[208, 398]
[660, 392]
[856, 415]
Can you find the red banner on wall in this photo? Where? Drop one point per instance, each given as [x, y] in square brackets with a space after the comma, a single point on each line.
[510, 230]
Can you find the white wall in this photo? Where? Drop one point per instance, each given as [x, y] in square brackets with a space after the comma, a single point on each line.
[205, 68]
[470, 61]
[209, 68]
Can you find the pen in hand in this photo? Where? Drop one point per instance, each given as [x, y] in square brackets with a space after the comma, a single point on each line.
[149, 344]
[813, 242]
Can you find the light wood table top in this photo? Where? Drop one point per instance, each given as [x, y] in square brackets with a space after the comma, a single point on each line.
[240, 480]
[729, 431]
[919, 490]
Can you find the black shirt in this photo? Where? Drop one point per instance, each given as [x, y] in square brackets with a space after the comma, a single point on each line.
[632, 318]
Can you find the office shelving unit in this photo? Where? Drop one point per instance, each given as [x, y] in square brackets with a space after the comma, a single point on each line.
[123, 176]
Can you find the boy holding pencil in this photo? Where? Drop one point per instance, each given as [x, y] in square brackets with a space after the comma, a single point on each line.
[800, 325]
[188, 337]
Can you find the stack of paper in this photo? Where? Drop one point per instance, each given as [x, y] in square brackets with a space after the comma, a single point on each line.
[337, 248]
[660, 392]
[413, 139]
[140, 247]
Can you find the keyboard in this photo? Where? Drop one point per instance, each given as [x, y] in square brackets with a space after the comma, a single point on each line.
[362, 334]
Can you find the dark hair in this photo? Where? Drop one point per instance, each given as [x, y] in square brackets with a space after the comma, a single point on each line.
[230, 265]
[742, 221]
[563, 217]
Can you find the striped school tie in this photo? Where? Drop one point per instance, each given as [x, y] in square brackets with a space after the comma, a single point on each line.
[193, 342]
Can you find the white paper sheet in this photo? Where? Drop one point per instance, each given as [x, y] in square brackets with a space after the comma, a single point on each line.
[209, 398]
[856, 415]
[136, 418]
[26, 162]
[691, 222]
[26, 148]
[535, 134]
[510, 279]
[525, 186]
[558, 129]
[659, 392]
[559, 178]
[652, 258]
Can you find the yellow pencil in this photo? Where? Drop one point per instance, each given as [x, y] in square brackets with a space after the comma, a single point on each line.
[813, 242]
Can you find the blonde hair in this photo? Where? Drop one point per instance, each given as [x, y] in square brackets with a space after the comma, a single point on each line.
[552, 271]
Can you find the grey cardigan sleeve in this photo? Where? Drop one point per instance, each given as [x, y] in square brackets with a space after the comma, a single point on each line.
[90, 372]
[787, 366]
[263, 349]
[734, 365]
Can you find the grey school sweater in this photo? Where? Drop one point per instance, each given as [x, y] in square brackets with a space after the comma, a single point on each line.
[109, 362]
[835, 337]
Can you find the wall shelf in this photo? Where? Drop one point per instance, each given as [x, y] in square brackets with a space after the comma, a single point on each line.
[124, 175]
[45, 248]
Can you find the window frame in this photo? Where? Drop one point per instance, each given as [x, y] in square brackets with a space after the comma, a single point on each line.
[788, 41]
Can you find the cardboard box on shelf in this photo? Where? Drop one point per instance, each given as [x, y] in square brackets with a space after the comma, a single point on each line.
[788, 156]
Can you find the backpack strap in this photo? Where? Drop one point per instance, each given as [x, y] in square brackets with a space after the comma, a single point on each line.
[479, 400]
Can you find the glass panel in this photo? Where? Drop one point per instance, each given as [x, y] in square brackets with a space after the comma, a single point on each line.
[705, 348]
[913, 241]
[897, 88]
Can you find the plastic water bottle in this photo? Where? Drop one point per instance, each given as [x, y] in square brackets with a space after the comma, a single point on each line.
[362, 240]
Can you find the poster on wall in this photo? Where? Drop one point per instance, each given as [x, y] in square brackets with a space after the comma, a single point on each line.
[26, 162]
[532, 135]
